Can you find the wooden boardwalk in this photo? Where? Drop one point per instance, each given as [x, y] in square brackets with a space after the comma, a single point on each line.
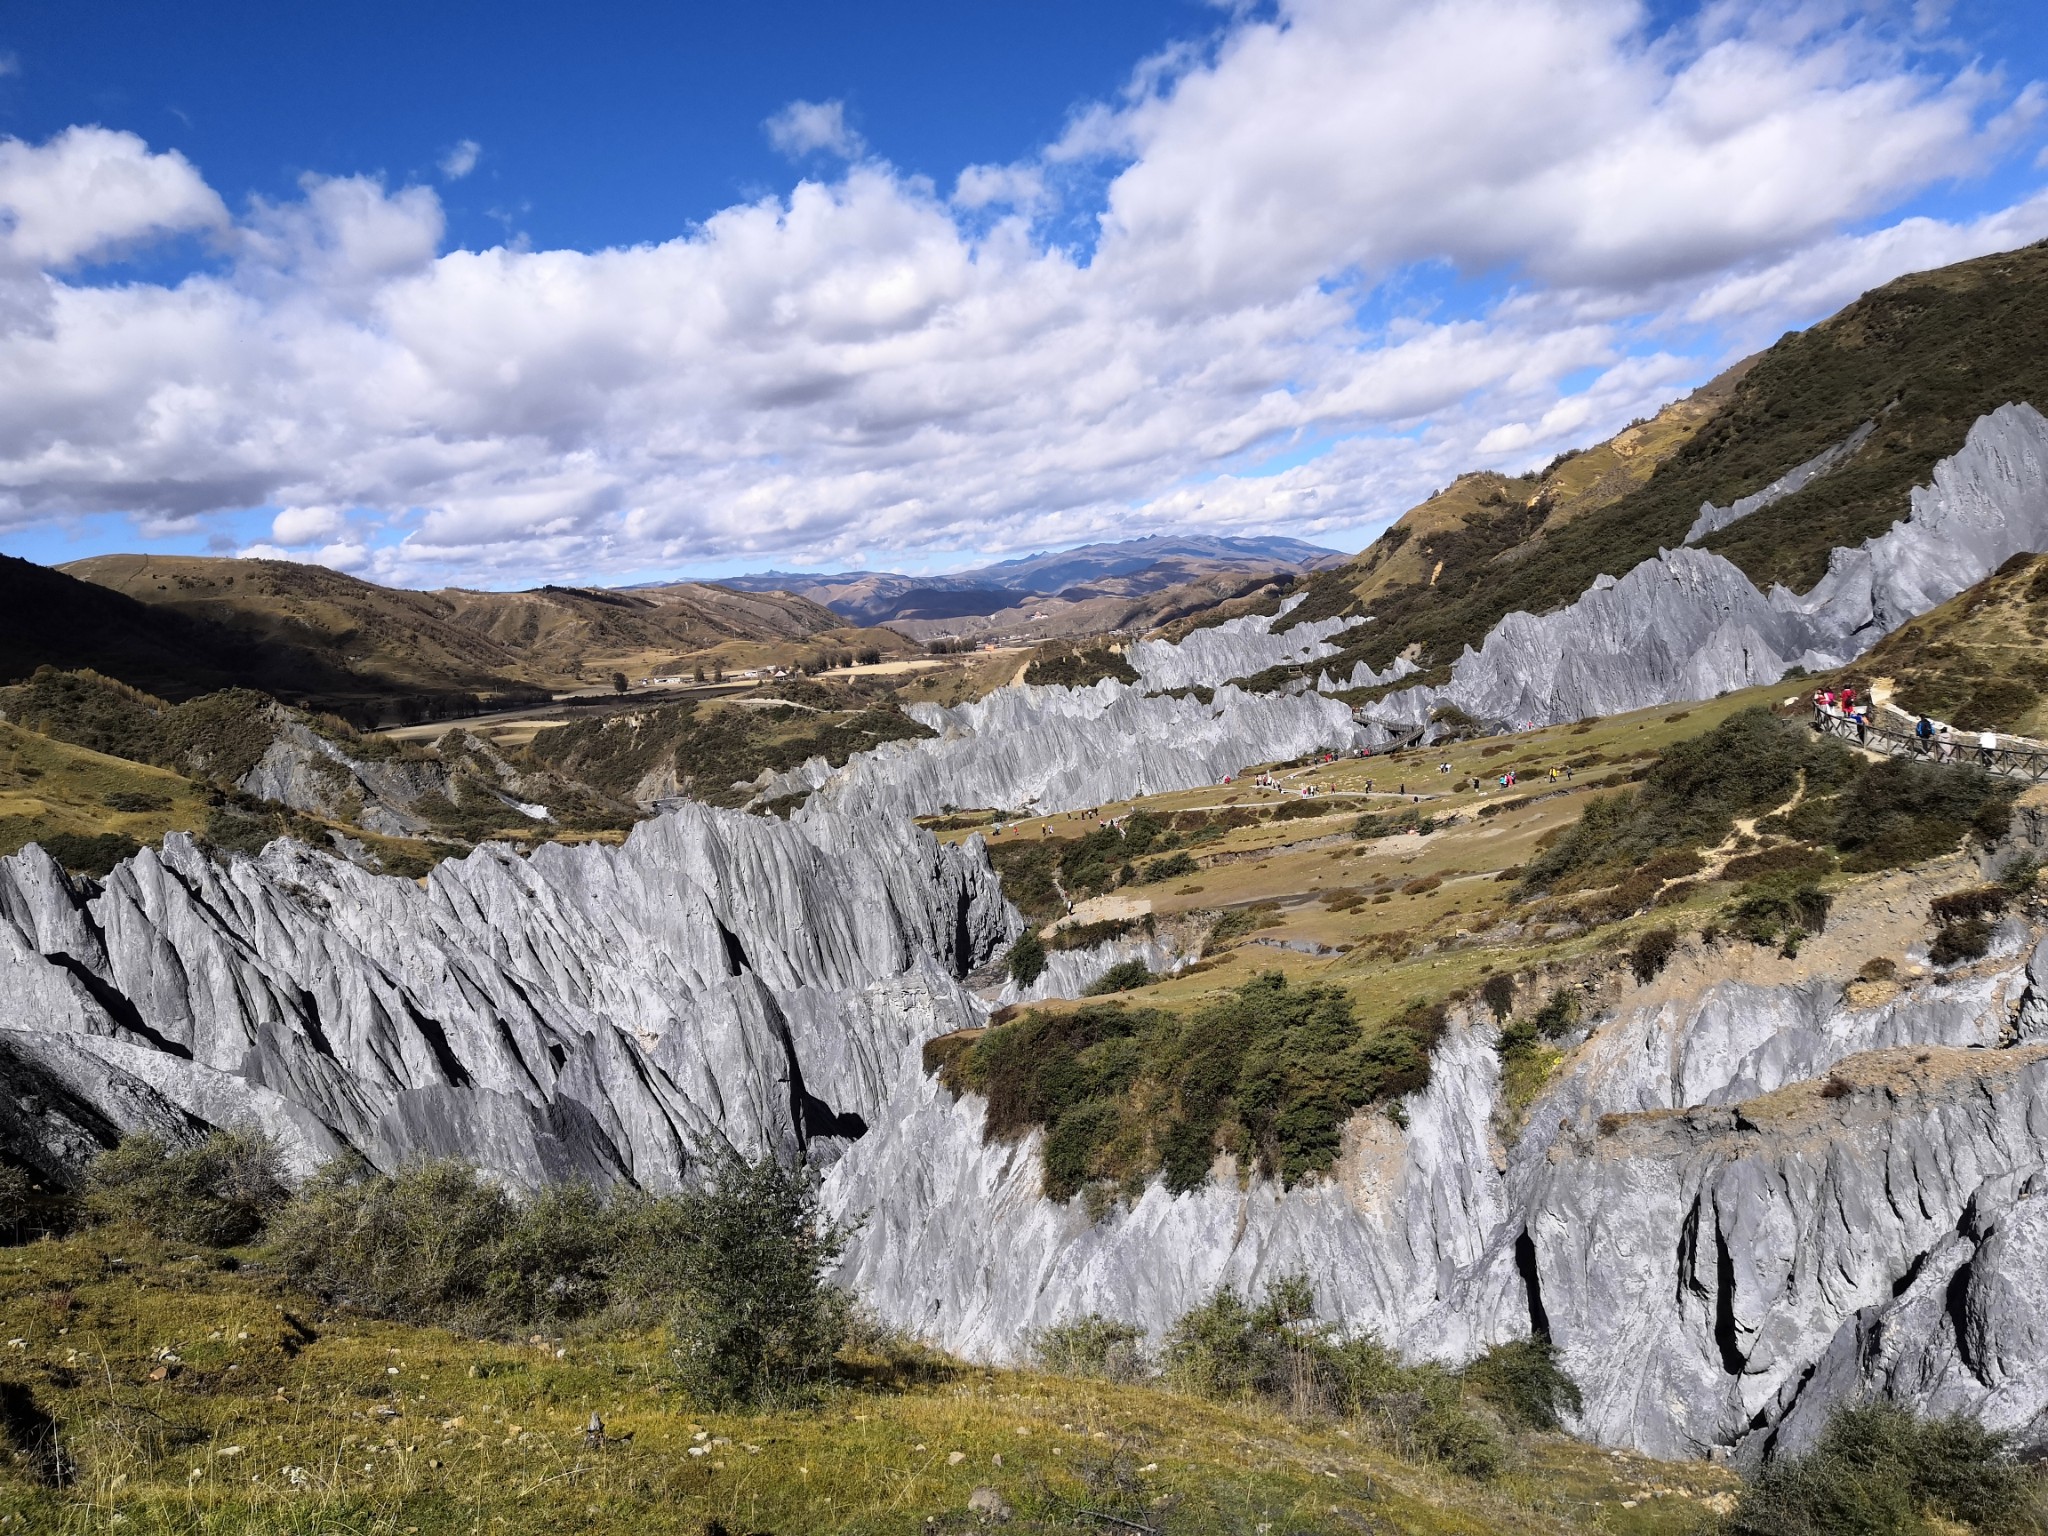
[2012, 758]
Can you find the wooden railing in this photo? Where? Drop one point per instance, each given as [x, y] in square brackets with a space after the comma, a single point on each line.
[2012, 758]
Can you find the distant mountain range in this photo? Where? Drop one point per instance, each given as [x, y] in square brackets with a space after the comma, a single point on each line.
[1124, 569]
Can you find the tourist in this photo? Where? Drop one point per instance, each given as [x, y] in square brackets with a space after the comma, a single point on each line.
[1924, 734]
[1948, 745]
[1987, 747]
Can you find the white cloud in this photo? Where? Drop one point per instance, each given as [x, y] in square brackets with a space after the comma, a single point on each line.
[90, 192]
[808, 127]
[461, 160]
[1264, 334]
[306, 525]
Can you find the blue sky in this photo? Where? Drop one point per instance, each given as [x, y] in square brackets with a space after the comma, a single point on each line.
[508, 294]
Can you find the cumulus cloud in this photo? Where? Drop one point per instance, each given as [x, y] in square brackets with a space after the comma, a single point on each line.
[808, 127]
[461, 160]
[306, 525]
[91, 192]
[1273, 325]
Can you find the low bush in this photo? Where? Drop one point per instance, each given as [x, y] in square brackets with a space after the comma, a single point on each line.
[1779, 909]
[1174, 866]
[439, 1243]
[1269, 1072]
[219, 1192]
[1652, 952]
[1498, 993]
[90, 853]
[1879, 1471]
[1069, 666]
[1093, 1346]
[1557, 1016]
[16, 1201]
[1391, 823]
[1525, 1384]
[1981, 901]
[1125, 976]
[1229, 1348]
[1088, 935]
[1967, 939]
[1026, 962]
[1875, 815]
[1239, 921]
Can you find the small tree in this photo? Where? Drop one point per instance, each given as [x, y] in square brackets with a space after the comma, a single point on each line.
[618, 682]
[757, 1322]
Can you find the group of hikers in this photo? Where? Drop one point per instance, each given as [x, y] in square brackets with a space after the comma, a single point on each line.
[1938, 742]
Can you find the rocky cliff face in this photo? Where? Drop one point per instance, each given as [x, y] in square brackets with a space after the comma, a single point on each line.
[1689, 624]
[1061, 749]
[1236, 648]
[721, 980]
[1731, 1207]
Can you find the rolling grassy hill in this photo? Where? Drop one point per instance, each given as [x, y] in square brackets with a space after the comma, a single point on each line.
[50, 618]
[482, 642]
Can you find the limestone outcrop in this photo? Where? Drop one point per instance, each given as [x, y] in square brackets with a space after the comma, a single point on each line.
[1719, 1203]
[1713, 519]
[1060, 749]
[720, 981]
[1237, 648]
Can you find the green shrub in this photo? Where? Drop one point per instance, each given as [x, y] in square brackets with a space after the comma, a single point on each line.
[1902, 811]
[416, 1246]
[1068, 666]
[1174, 866]
[90, 853]
[1879, 1471]
[16, 1200]
[438, 1242]
[1226, 1348]
[1652, 952]
[1779, 908]
[1125, 976]
[1269, 1071]
[1445, 1431]
[1980, 901]
[1030, 877]
[1027, 958]
[1239, 921]
[1689, 799]
[1966, 939]
[1092, 1346]
[1557, 1016]
[756, 1321]
[1498, 993]
[1524, 1383]
[219, 1192]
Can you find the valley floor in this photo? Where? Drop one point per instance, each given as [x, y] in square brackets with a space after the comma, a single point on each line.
[149, 1389]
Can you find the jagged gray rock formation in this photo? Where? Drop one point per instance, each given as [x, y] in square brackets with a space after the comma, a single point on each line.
[1060, 749]
[1689, 624]
[1713, 519]
[1697, 1217]
[721, 980]
[1237, 648]
[1071, 972]
[310, 772]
